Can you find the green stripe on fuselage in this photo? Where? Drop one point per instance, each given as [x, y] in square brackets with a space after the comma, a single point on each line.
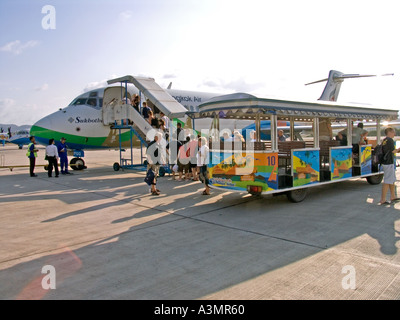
[89, 142]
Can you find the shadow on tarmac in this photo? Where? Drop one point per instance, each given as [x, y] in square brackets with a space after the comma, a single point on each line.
[183, 245]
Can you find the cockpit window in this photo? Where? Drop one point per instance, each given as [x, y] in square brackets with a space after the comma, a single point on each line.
[93, 94]
[92, 102]
[79, 101]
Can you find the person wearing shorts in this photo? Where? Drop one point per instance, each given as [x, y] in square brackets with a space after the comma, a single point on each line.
[183, 162]
[388, 166]
[172, 151]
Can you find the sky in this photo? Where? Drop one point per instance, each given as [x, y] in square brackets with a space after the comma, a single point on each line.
[262, 47]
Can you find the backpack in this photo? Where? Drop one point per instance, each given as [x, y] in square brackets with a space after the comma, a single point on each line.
[149, 179]
[378, 156]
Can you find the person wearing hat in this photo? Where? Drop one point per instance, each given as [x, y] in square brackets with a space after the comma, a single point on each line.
[62, 151]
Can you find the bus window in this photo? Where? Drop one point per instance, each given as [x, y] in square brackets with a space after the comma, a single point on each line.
[304, 131]
[265, 134]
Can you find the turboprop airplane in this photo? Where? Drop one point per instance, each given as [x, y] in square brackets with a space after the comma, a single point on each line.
[20, 138]
[86, 122]
[91, 120]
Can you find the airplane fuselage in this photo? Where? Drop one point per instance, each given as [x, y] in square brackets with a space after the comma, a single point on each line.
[81, 122]
[20, 138]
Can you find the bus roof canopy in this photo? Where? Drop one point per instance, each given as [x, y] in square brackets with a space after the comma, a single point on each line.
[246, 106]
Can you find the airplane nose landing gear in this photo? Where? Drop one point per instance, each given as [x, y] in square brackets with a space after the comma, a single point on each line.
[77, 164]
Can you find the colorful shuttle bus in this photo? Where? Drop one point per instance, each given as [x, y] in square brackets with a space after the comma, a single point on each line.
[242, 161]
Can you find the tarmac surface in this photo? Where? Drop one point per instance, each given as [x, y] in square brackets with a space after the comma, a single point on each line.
[108, 238]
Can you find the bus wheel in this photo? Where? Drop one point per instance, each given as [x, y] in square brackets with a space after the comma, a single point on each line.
[116, 166]
[377, 179]
[297, 195]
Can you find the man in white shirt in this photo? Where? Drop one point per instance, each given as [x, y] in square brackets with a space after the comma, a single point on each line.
[202, 161]
[126, 100]
[52, 157]
[166, 120]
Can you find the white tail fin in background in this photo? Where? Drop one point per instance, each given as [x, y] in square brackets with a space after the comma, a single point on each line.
[334, 82]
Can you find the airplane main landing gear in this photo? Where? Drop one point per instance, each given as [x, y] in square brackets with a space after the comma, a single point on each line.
[77, 164]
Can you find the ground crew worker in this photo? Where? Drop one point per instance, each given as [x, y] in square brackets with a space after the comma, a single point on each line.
[62, 152]
[32, 155]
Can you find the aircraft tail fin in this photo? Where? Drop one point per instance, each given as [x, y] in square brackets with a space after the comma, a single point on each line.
[334, 82]
[170, 85]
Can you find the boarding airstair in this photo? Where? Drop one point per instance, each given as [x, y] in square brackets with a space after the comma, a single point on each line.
[131, 119]
[115, 110]
[157, 95]
[122, 116]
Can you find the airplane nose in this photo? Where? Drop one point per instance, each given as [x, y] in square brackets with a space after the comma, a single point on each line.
[41, 130]
[38, 126]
